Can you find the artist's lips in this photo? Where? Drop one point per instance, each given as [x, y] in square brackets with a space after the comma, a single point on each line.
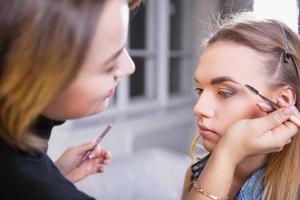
[111, 93]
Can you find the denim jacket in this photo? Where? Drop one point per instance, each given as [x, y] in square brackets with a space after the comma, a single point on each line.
[252, 188]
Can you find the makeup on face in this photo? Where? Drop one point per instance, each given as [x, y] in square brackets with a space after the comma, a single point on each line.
[227, 86]
[292, 118]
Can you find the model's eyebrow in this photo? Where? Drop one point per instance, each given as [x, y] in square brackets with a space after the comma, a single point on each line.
[114, 56]
[220, 79]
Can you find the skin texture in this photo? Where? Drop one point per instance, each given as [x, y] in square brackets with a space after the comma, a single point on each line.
[107, 61]
[221, 73]
[221, 103]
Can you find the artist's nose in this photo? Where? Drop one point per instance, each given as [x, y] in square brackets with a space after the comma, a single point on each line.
[125, 66]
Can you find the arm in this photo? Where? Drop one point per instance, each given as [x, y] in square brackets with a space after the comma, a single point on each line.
[244, 138]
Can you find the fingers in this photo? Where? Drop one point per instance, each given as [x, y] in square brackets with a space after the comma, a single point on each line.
[81, 149]
[87, 168]
[281, 103]
[278, 137]
[93, 166]
[273, 119]
[103, 154]
[263, 106]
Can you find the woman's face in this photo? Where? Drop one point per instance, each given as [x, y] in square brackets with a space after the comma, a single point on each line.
[222, 71]
[106, 62]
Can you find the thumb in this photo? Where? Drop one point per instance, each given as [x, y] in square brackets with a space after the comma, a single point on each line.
[86, 146]
[273, 119]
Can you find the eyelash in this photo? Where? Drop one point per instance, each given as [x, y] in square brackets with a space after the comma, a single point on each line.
[110, 69]
[199, 91]
[225, 93]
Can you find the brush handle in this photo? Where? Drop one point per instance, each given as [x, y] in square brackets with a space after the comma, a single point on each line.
[295, 120]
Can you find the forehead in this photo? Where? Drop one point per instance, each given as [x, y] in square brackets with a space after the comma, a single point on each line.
[111, 31]
[229, 59]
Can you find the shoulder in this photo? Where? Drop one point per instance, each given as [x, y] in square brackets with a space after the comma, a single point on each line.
[192, 173]
[27, 177]
[197, 168]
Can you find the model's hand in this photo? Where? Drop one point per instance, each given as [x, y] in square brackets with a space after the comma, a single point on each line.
[69, 160]
[258, 136]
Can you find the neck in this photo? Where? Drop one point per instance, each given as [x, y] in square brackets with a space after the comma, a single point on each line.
[249, 165]
[244, 170]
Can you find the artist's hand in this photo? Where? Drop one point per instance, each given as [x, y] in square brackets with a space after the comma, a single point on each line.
[259, 136]
[68, 161]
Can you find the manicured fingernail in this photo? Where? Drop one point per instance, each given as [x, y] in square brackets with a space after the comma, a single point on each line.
[92, 156]
[280, 100]
[106, 162]
[289, 110]
[264, 107]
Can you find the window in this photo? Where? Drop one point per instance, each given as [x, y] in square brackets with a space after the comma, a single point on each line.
[137, 42]
[157, 42]
[176, 40]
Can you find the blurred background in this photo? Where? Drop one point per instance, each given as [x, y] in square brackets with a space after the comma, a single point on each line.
[152, 109]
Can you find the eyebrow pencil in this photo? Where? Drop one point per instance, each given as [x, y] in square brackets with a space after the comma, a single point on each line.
[98, 140]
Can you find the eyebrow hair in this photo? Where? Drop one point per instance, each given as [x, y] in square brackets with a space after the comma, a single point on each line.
[221, 79]
[114, 56]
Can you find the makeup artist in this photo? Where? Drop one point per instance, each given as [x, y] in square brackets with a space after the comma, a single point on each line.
[265, 55]
[59, 59]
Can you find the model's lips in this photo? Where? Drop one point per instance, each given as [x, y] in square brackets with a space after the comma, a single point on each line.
[207, 133]
[203, 128]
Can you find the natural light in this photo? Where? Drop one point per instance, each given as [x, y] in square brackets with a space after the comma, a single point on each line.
[283, 10]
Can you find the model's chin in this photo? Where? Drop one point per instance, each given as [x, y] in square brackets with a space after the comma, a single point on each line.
[208, 145]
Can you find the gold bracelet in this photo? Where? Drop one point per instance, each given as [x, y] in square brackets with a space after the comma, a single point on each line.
[210, 196]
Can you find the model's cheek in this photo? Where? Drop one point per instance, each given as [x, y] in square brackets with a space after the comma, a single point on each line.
[249, 111]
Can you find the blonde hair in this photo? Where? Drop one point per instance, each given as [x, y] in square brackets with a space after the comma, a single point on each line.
[266, 37]
[42, 46]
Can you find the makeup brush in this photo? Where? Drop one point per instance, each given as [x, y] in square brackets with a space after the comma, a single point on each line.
[292, 118]
[255, 91]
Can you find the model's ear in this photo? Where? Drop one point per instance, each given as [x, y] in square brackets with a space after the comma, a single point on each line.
[287, 94]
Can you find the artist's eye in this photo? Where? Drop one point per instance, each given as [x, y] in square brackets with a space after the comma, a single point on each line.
[226, 92]
[199, 91]
[110, 69]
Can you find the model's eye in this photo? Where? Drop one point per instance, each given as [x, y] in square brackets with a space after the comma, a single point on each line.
[199, 91]
[226, 93]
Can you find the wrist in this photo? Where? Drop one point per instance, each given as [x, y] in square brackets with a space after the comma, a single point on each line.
[225, 154]
[213, 181]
